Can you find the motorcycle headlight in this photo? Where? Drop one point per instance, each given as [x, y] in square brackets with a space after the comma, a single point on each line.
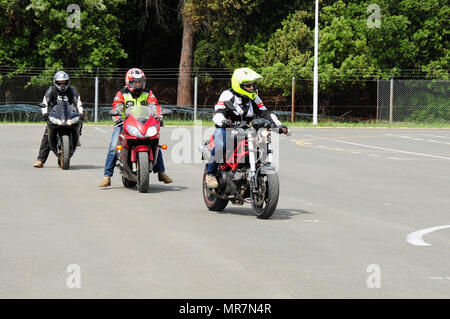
[152, 131]
[73, 121]
[134, 131]
[56, 121]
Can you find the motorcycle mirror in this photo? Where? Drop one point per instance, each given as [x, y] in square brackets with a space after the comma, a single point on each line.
[114, 113]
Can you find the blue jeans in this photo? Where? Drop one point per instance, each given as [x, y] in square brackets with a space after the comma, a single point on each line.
[111, 158]
[220, 142]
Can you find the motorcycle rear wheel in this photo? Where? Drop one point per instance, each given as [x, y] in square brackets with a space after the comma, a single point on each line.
[265, 205]
[127, 183]
[212, 201]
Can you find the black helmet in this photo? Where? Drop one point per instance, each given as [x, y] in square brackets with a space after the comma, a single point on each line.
[61, 81]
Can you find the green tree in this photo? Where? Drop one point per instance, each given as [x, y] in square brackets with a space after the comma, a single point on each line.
[412, 35]
[46, 35]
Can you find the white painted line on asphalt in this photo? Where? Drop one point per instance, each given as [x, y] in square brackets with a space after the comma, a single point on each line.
[438, 278]
[416, 237]
[392, 150]
[99, 129]
[439, 142]
[311, 220]
[419, 139]
[439, 136]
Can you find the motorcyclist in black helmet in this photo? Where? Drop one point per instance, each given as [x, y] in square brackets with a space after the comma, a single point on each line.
[61, 90]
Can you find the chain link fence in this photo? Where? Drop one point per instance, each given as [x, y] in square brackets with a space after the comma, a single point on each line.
[414, 101]
[343, 101]
[19, 101]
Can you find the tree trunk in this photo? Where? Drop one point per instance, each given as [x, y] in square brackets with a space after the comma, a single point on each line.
[184, 92]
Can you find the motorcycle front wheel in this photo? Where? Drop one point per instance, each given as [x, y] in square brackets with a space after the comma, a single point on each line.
[212, 201]
[143, 172]
[265, 202]
[65, 152]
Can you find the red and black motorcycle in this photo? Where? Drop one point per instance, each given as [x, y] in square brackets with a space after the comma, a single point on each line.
[248, 174]
[138, 145]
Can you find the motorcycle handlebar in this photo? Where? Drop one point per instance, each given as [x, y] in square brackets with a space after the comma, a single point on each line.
[279, 129]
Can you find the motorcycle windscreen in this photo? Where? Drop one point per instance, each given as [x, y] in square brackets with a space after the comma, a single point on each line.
[141, 112]
[63, 111]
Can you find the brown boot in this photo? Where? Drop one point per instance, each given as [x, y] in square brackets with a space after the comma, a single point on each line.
[211, 181]
[38, 164]
[163, 177]
[106, 181]
[78, 143]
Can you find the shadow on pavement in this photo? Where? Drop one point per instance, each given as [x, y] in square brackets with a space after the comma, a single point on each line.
[280, 214]
[154, 189]
[165, 188]
[78, 167]
[286, 213]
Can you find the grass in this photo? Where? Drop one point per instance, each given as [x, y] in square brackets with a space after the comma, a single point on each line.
[332, 124]
[369, 124]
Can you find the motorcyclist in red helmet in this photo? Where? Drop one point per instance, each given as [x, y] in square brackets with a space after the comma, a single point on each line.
[133, 93]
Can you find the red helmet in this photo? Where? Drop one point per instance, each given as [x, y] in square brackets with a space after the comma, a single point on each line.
[135, 80]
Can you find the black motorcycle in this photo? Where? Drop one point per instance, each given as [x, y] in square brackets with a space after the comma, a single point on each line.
[63, 126]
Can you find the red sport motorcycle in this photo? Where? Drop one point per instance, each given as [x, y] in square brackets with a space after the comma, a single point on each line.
[247, 175]
[138, 145]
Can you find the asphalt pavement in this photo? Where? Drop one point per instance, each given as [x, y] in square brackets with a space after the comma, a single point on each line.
[363, 213]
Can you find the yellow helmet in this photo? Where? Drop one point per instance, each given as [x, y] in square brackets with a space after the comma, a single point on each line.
[242, 77]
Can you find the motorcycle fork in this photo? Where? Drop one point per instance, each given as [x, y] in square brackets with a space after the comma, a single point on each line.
[252, 159]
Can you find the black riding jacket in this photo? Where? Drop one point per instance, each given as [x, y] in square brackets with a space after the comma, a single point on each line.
[53, 96]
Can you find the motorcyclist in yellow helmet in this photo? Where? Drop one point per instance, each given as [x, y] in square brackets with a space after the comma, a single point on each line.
[244, 96]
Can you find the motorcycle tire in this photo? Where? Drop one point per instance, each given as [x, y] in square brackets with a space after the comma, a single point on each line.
[65, 152]
[212, 201]
[143, 172]
[127, 183]
[265, 207]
